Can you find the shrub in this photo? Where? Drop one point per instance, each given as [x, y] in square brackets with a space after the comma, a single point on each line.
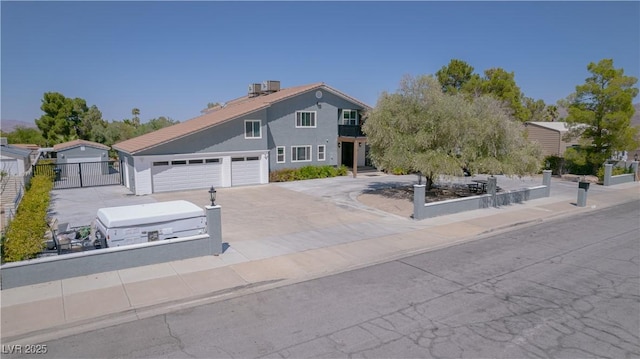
[399, 171]
[24, 235]
[615, 172]
[555, 164]
[306, 172]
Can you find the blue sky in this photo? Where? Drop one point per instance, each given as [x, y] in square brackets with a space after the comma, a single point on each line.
[172, 58]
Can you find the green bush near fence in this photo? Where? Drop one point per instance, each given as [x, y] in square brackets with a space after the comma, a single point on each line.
[24, 236]
[615, 171]
[306, 172]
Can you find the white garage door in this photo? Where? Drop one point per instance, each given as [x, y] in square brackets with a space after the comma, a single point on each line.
[245, 170]
[9, 167]
[183, 175]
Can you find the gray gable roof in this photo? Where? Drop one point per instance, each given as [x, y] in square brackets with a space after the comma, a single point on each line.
[15, 152]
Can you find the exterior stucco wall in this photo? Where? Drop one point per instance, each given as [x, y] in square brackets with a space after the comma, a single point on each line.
[142, 173]
[283, 131]
[224, 137]
[128, 171]
[46, 269]
[76, 152]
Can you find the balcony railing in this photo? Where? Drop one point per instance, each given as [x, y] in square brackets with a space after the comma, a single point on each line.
[350, 131]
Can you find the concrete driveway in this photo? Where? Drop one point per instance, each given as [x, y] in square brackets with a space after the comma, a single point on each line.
[276, 218]
[265, 213]
[251, 211]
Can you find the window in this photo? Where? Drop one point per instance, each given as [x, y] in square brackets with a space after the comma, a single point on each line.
[300, 153]
[212, 160]
[256, 158]
[181, 162]
[161, 163]
[193, 162]
[305, 119]
[321, 149]
[349, 117]
[252, 129]
[280, 157]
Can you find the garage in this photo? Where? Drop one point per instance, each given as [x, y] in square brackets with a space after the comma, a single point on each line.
[245, 170]
[179, 175]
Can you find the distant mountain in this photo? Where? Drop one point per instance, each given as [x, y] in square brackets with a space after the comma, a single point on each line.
[10, 125]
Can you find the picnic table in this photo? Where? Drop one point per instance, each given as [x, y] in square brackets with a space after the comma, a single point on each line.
[478, 186]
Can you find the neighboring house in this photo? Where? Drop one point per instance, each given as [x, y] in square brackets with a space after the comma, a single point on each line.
[240, 142]
[35, 150]
[70, 154]
[80, 151]
[550, 137]
[15, 161]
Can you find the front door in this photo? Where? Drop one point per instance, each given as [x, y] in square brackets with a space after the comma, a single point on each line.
[347, 153]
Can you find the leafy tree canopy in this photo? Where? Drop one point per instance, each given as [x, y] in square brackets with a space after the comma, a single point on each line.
[62, 117]
[26, 135]
[458, 77]
[454, 76]
[420, 128]
[600, 113]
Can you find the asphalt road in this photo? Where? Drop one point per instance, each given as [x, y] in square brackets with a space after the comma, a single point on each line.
[569, 288]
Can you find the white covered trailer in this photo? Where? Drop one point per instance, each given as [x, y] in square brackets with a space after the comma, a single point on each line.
[125, 225]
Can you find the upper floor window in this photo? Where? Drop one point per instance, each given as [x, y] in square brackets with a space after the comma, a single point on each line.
[252, 129]
[349, 117]
[305, 119]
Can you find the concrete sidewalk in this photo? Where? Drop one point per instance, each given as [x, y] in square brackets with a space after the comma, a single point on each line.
[55, 309]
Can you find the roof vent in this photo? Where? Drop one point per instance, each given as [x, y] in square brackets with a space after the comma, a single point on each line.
[255, 90]
[270, 86]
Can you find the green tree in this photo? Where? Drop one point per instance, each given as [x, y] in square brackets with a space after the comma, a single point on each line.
[157, 123]
[454, 76]
[502, 85]
[136, 116]
[25, 135]
[92, 127]
[600, 113]
[62, 117]
[551, 113]
[420, 128]
[536, 110]
[458, 77]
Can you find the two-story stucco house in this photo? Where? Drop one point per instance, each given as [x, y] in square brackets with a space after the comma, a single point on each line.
[241, 141]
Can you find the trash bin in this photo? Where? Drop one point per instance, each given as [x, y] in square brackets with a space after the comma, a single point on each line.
[56, 172]
[584, 185]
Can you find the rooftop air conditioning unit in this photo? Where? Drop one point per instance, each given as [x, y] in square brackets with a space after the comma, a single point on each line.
[271, 86]
[255, 89]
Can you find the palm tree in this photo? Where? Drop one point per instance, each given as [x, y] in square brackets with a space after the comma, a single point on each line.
[136, 120]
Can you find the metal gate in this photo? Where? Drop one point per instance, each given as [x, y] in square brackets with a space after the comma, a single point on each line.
[84, 174]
